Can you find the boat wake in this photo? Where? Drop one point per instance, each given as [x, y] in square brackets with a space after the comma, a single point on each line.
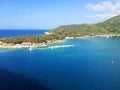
[52, 47]
[61, 46]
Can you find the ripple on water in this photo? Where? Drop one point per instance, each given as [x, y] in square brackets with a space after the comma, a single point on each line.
[4, 50]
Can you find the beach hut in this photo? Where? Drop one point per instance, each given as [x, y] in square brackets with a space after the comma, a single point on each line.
[48, 33]
[26, 44]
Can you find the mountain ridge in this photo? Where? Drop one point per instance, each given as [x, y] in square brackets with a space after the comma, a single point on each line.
[110, 26]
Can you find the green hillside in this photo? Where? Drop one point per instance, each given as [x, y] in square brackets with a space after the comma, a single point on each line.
[110, 26]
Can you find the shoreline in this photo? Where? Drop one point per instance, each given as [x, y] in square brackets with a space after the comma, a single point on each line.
[11, 47]
[83, 37]
[43, 45]
[35, 45]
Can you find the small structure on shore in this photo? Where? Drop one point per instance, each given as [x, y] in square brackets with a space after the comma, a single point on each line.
[69, 37]
[26, 44]
[48, 33]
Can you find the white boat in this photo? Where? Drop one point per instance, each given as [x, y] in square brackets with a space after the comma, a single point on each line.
[31, 48]
[112, 62]
[107, 36]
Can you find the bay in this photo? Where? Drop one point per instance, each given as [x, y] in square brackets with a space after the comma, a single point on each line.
[91, 64]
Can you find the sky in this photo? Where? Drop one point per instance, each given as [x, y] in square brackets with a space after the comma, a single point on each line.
[48, 14]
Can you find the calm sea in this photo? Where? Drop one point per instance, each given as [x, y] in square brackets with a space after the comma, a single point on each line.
[91, 64]
[12, 33]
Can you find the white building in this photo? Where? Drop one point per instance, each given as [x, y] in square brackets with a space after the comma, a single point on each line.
[48, 33]
[26, 44]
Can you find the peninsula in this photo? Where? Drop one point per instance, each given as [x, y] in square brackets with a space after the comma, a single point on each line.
[110, 27]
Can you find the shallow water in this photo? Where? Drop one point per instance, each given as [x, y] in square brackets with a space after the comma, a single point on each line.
[85, 66]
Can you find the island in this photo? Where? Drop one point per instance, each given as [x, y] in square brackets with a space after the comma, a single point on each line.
[108, 28]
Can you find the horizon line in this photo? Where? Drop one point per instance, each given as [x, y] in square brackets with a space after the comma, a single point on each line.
[24, 29]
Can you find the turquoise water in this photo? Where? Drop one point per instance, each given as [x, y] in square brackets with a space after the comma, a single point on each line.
[91, 64]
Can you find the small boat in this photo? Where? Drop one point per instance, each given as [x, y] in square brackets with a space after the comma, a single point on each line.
[31, 48]
[107, 36]
[112, 62]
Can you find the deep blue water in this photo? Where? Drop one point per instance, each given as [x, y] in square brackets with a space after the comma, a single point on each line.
[12, 33]
[86, 66]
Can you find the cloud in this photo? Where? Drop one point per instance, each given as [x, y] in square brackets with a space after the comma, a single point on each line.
[103, 6]
[101, 16]
[106, 9]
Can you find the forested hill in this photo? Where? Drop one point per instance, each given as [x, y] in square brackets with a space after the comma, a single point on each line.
[110, 26]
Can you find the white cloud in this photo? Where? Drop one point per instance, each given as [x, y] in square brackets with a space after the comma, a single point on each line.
[106, 9]
[103, 6]
[101, 16]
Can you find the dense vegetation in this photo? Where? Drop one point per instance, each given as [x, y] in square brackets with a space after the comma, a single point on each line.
[33, 39]
[111, 26]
